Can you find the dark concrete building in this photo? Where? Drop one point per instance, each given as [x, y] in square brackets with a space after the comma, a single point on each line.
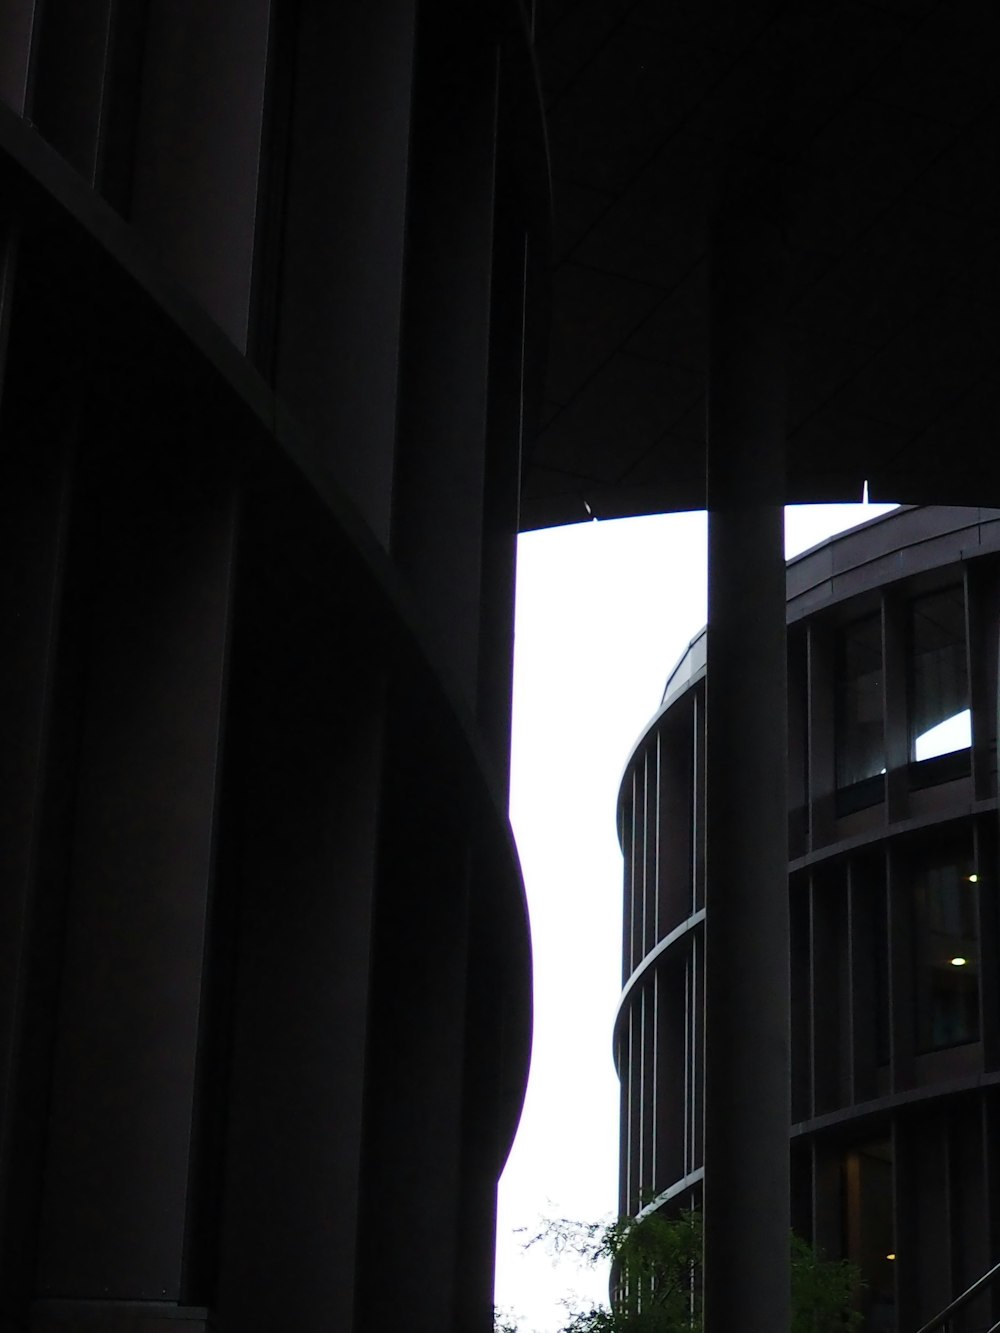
[305, 307]
[267, 361]
[893, 865]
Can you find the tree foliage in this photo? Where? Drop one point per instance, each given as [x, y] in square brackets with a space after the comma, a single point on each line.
[657, 1263]
[824, 1291]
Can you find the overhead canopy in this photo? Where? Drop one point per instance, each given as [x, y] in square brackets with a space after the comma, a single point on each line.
[880, 124]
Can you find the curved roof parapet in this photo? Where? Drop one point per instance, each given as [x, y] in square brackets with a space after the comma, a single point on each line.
[692, 660]
[689, 664]
[891, 546]
[911, 537]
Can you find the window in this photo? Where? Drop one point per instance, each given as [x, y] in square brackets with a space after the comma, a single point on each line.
[940, 721]
[946, 954]
[875, 878]
[860, 740]
[870, 1240]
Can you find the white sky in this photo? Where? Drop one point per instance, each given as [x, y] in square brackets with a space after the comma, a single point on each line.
[604, 610]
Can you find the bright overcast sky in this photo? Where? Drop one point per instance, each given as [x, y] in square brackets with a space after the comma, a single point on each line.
[604, 610]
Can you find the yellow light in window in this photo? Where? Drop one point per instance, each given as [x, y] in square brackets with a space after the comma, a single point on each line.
[959, 962]
[891, 1255]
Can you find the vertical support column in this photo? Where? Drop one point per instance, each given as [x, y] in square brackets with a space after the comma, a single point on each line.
[747, 1111]
[415, 1068]
[200, 125]
[501, 497]
[342, 205]
[440, 479]
[157, 554]
[37, 473]
[307, 726]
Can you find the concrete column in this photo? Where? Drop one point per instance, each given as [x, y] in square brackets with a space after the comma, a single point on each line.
[337, 283]
[146, 614]
[440, 479]
[747, 1109]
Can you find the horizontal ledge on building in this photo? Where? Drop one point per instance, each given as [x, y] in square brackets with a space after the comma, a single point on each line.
[681, 1186]
[880, 1107]
[649, 730]
[651, 960]
[884, 833]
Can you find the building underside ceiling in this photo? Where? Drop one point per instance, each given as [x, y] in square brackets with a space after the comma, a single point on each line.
[881, 123]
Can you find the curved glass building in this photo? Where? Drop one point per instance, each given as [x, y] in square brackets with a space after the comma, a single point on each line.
[892, 885]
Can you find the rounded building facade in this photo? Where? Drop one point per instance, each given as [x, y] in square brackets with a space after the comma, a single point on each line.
[272, 302]
[895, 948]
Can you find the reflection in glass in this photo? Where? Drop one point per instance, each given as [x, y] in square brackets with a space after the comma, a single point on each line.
[954, 733]
[860, 741]
[946, 944]
[940, 722]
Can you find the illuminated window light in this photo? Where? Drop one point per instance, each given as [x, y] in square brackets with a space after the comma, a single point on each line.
[959, 962]
[891, 1254]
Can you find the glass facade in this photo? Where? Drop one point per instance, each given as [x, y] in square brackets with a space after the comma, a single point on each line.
[939, 685]
[879, 938]
[869, 1241]
[860, 732]
[946, 953]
